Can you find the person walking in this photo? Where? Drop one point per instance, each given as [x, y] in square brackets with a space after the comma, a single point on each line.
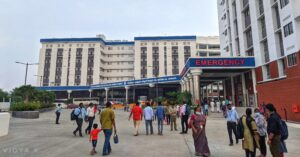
[160, 113]
[262, 130]
[148, 116]
[218, 103]
[184, 118]
[137, 116]
[173, 114]
[198, 124]
[80, 112]
[94, 138]
[273, 130]
[57, 112]
[205, 108]
[168, 115]
[251, 139]
[90, 117]
[212, 105]
[232, 119]
[108, 123]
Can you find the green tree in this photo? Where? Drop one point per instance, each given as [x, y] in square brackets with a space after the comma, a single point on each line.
[45, 97]
[3, 94]
[26, 92]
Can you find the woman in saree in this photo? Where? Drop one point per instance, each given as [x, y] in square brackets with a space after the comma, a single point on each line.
[198, 124]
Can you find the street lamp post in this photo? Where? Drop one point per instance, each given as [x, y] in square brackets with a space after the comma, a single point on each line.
[41, 79]
[26, 69]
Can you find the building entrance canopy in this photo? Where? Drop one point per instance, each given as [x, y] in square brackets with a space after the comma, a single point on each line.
[216, 69]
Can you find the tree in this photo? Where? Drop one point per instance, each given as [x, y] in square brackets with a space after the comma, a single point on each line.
[26, 92]
[3, 94]
[45, 97]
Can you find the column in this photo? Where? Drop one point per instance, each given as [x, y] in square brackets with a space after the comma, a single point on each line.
[182, 85]
[187, 84]
[224, 89]
[69, 93]
[206, 87]
[126, 98]
[191, 82]
[106, 95]
[254, 87]
[218, 88]
[90, 93]
[245, 102]
[232, 90]
[196, 84]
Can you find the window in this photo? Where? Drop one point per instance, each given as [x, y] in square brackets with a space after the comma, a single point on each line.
[202, 46]
[288, 29]
[267, 72]
[283, 3]
[292, 59]
[281, 67]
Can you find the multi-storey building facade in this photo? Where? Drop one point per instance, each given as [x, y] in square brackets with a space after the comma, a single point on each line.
[269, 30]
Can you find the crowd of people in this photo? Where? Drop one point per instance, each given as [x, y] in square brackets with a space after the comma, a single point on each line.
[252, 130]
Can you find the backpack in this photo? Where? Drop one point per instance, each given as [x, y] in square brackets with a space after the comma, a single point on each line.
[240, 129]
[74, 116]
[187, 110]
[284, 130]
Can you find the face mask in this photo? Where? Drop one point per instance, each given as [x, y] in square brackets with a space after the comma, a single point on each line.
[257, 113]
[198, 113]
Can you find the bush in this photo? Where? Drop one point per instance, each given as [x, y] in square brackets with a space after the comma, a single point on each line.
[21, 106]
[47, 105]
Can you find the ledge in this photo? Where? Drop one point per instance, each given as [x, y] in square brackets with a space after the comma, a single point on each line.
[4, 125]
[26, 114]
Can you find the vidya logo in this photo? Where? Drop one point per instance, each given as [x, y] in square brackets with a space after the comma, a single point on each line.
[18, 150]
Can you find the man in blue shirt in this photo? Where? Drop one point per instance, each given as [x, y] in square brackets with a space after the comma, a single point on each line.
[232, 120]
[160, 113]
[80, 113]
[148, 115]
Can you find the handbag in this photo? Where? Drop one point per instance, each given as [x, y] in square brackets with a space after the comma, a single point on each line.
[116, 139]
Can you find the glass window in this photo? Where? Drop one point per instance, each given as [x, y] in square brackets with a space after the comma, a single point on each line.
[288, 29]
[292, 59]
[283, 3]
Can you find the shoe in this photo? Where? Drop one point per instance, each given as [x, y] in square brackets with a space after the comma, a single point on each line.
[181, 132]
[74, 133]
[231, 144]
[109, 151]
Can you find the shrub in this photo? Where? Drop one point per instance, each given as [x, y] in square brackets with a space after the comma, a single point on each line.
[43, 105]
[21, 106]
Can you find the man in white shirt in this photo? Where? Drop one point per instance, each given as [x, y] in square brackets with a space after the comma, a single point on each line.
[91, 116]
[212, 105]
[148, 115]
[218, 103]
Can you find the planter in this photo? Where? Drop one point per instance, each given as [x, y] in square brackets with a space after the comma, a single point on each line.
[26, 114]
[46, 109]
[4, 125]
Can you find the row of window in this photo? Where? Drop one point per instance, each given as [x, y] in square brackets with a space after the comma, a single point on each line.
[120, 48]
[70, 45]
[165, 43]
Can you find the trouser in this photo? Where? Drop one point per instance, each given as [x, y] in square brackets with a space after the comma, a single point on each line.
[249, 153]
[168, 119]
[57, 117]
[79, 126]
[173, 123]
[184, 123]
[160, 122]
[149, 123]
[89, 127]
[262, 144]
[206, 112]
[275, 146]
[106, 146]
[136, 124]
[231, 127]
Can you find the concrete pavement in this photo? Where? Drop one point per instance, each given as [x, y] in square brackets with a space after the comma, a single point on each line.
[41, 137]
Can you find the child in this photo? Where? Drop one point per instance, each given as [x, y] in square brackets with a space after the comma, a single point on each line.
[206, 109]
[94, 137]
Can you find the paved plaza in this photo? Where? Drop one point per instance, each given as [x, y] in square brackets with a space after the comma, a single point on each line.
[42, 138]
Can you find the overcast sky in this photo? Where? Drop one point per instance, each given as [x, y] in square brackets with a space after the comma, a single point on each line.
[24, 22]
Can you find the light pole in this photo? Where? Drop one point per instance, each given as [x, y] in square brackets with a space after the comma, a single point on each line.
[133, 94]
[27, 68]
[41, 78]
[156, 75]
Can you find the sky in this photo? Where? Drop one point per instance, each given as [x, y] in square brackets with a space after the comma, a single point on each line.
[24, 22]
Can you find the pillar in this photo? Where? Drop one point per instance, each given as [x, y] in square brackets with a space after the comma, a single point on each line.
[218, 88]
[191, 82]
[254, 87]
[224, 89]
[196, 84]
[90, 93]
[106, 94]
[232, 90]
[245, 102]
[126, 98]
[187, 84]
[69, 93]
